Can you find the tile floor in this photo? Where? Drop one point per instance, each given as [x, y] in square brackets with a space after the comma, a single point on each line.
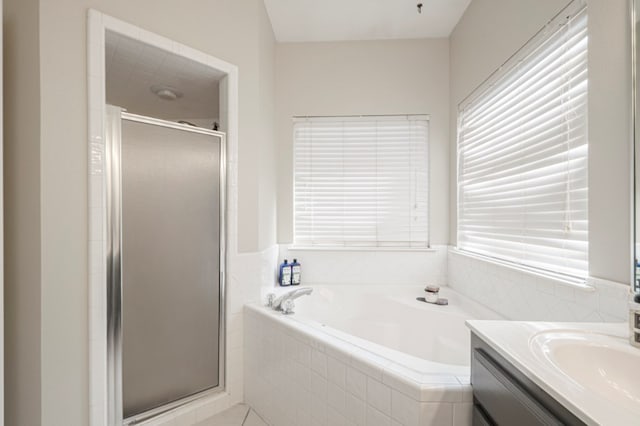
[238, 415]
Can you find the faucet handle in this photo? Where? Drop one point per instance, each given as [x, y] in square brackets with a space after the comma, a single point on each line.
[288, 306]
[271, 297]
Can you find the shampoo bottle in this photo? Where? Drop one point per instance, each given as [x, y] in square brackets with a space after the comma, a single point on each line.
[284, 277]
[295, 272]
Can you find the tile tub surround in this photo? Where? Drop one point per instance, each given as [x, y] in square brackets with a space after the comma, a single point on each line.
[525, 296]
[380, 266]
[295, 375]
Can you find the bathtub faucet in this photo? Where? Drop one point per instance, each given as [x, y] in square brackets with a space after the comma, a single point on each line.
[284, 302]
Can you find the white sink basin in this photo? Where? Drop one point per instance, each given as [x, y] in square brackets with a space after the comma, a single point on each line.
[603, 364]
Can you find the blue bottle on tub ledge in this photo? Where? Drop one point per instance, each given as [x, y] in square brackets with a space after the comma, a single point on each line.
[295, 272]
[284, 275]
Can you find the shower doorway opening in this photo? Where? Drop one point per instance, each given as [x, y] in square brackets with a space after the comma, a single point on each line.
[158, 338]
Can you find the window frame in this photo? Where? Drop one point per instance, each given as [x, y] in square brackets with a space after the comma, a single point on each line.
[569, 12]
[297, 245]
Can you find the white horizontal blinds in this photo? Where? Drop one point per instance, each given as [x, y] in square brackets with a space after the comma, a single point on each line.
[522, 155]
[361, 181]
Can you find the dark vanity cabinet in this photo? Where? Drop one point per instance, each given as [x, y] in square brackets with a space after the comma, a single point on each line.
[503, 395]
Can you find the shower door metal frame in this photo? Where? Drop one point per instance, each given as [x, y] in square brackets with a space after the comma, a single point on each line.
[113, 173]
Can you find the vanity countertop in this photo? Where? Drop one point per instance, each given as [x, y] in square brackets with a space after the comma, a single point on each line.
[518, 343]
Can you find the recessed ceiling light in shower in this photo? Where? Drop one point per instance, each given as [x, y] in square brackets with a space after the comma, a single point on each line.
[165, 92]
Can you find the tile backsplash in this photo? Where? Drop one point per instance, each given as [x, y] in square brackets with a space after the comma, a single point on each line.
[370, 267]
[513, 293]
[524, 296]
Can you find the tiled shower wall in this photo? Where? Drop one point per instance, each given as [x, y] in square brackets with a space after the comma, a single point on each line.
[521, 295]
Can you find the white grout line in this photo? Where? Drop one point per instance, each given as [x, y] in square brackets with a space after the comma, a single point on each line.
[258, 415]
[246, 415]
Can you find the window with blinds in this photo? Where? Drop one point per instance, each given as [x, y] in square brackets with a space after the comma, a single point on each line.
[523, 154]
[361, 181]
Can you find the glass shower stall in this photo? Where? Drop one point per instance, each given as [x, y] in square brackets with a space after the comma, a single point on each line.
[165, 260]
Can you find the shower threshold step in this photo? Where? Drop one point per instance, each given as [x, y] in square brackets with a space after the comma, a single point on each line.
[238, 415]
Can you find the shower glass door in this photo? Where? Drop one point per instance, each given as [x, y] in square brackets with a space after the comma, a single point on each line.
[171, 204]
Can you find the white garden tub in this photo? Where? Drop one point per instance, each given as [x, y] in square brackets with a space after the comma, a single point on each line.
[363, 355]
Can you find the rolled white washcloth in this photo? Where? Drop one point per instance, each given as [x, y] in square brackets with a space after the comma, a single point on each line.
[431, 293]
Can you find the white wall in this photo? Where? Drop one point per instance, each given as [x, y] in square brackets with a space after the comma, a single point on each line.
[370, 77]
[2, 345]
[47, 174]
[265, 151]
[610, 197]
[492, 30]
[22, 211]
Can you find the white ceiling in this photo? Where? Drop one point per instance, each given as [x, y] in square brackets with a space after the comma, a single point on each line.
[334, 20]
[133, 67]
